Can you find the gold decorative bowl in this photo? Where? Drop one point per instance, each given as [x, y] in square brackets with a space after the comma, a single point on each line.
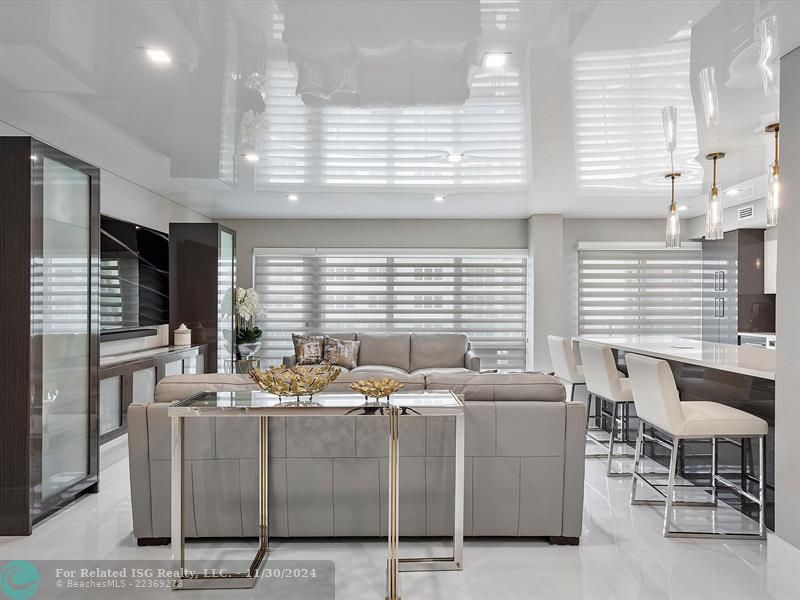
[295, 381]
[377, 388]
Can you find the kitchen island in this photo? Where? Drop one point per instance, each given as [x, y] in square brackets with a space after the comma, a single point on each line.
[739, 376]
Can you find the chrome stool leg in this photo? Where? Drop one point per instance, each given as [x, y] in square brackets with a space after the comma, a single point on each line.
[673, 466]
[762, 485]
[670, 503]
[714, 469]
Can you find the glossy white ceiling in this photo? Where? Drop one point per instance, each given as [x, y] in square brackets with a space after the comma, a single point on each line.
[370, 109]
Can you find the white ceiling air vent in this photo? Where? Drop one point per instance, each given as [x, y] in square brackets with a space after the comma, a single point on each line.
[745, 212]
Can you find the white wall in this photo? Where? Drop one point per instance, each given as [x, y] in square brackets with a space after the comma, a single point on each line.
[696, 226]
[545, 255]
[371, 233]
[787, 376]
[122, 199]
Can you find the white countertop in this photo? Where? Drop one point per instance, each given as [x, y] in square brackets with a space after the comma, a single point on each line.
[747, 360]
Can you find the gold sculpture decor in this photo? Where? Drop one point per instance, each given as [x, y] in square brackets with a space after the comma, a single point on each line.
[377, 388]
[295, 381]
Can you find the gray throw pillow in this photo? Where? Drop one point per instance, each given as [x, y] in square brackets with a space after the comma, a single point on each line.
[307, 349]
[342, 353]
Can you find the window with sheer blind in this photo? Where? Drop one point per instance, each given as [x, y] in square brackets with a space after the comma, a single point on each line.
[640, 292]
[481, 295]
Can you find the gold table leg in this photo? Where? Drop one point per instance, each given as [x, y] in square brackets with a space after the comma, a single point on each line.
[392, 589]
[246, 579]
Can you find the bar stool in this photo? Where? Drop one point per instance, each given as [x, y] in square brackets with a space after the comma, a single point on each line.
[565, 366]
[658, 404]
[603, 381]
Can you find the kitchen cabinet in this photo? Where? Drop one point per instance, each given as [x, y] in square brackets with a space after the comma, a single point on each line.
[720, 289]
[733, 287]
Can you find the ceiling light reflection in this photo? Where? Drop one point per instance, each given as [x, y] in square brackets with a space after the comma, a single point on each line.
[495, 60]
[158, 56]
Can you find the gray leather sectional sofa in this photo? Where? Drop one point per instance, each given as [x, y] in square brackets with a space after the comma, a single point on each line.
[524, 466]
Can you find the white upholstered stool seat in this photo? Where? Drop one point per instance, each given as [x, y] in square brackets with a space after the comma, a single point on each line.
[709, 419]
[658, 404]
[624, 394]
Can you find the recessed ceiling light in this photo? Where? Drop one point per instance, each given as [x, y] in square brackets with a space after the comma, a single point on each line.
[455, 157]
[683, 207]
[438, 198]
[732, 192]
[158, 56]
[292, 197]
[251, 157]
[494, 60]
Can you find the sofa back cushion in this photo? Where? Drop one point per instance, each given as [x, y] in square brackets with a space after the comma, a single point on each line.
[438, 350]
[178, 387]
[389, 349]
[499, 387]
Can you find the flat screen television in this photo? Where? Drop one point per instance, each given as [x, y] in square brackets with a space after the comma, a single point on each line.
[134, 276]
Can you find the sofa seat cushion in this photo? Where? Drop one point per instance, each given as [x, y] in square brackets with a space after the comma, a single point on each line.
[389, 349]
[499, 387]
[443, 371]
[442, 350]
[178, 387]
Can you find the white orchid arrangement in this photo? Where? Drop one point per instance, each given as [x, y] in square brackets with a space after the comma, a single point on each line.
[247, 304]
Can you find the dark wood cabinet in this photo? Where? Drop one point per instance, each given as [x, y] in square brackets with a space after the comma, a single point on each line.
[49, 355]
[202, 283]
[733, 287]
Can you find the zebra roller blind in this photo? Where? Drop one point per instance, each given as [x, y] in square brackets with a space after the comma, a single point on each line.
[640, 292]
[484, 296]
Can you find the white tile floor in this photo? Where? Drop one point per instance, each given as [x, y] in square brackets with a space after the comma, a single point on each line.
[621, 555]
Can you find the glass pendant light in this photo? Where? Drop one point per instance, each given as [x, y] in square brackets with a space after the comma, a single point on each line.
[708, 94]
[773, 185]
[669, 119]
[673, 220]
[714, 208]
[768, 63]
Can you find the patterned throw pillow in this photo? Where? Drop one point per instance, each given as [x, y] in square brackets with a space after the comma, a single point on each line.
[342, 353]
[307, 349]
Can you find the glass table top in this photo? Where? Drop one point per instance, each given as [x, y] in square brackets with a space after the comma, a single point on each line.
[332, 403]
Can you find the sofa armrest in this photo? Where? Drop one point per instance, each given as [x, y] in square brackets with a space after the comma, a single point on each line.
[289, 361]
[574, 465]
[472, 361]
[139, 469]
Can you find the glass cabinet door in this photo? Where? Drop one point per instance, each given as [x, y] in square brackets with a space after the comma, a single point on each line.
[65, 322]
[226, 281]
